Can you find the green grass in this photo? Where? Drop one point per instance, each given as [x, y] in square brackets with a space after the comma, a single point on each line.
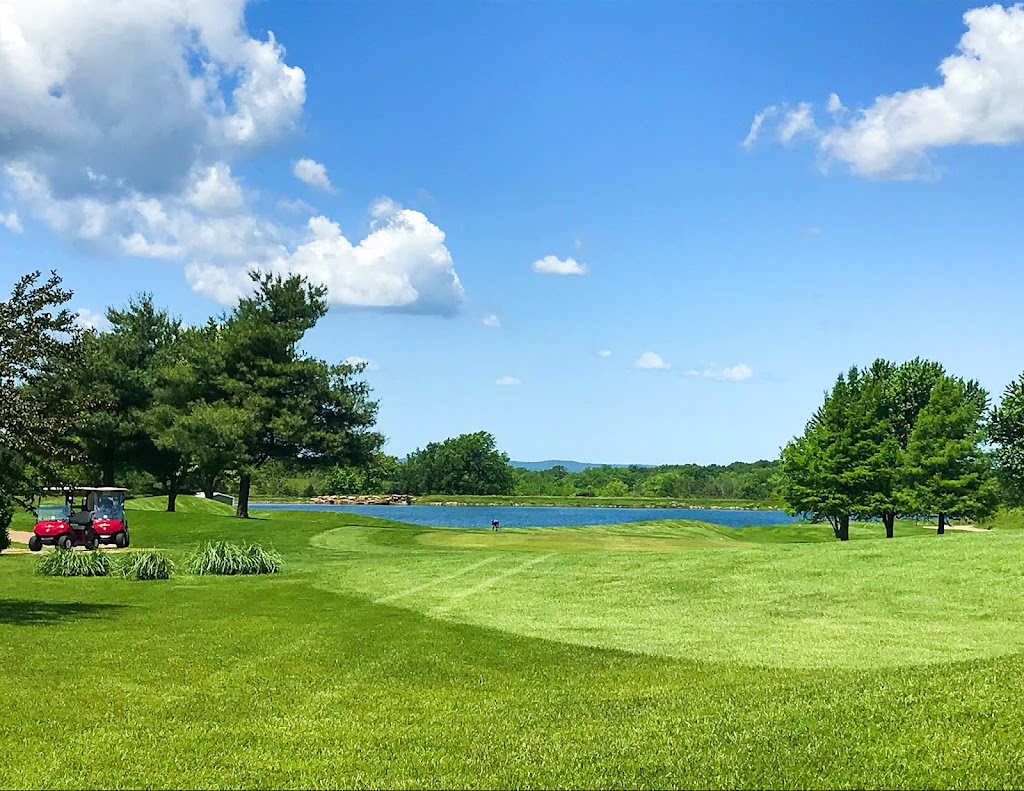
[183, 504]
[666, 654]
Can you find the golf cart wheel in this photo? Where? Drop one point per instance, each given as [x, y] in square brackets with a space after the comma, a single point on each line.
[93, 543]
[127, 538]
[121, 540]
[35, 543]
[65, 542]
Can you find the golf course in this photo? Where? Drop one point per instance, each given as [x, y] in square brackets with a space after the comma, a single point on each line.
[659, 654]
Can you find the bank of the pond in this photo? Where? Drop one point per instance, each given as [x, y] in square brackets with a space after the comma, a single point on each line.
[540, 516]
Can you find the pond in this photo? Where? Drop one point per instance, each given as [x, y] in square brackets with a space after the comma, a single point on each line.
[538, 516]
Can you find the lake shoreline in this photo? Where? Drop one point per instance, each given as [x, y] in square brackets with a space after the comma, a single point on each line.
[483, 516]
[524, 502]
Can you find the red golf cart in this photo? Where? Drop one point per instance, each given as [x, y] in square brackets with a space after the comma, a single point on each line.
[99, 518]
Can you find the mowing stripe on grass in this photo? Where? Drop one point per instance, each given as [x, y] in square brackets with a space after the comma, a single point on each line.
[456, 597]
[436, 581]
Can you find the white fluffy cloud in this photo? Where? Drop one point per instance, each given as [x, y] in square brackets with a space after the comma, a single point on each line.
[355, 360]
[119, 126]
[604, 353]
[401, 265]
[507, 381]
[491, 320]
[213, 190]
[552, 265]
[651, 360]
[11, 221]
[980, 100]
[91, 320]
[108, 96]
[724, 373]
[312, 173]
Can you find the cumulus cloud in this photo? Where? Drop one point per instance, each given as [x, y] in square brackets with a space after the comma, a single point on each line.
[119, 127]
[507, 381]
[356, 361]
[651, 360]
[91, 320]
[726, 373]
[11, 221]
[124, 97]
[214, 190]
[979, 101]
[604, 353]
[297, 205]
[552, 265]
[492, 320]
[401, 265]
[312, 173]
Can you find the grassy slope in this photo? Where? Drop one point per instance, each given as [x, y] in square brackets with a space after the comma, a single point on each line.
[183, 504]
[305, 680]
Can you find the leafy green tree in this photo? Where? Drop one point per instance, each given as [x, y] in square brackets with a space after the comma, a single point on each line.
[613, 489]
[1006, 430]
[197, 435]
[948, 473]
[39, 409]
[840, 465]
[297, 407]
[118, 369]
[467, 464]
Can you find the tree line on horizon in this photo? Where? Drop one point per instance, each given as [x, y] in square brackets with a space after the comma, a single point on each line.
[235, 404]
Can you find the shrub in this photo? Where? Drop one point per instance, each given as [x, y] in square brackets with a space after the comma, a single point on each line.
[68, 563]
[5, 539]
[146, 564]
[221, 557]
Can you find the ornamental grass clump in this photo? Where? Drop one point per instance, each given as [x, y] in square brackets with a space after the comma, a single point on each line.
[68, 563]
[146, 565]
[222, 557]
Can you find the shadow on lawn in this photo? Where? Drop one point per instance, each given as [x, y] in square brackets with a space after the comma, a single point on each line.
[19, 612]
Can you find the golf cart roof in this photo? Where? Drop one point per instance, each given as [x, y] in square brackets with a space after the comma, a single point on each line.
[84, 489]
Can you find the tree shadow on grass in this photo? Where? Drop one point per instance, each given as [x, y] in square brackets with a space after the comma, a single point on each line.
[21, 612]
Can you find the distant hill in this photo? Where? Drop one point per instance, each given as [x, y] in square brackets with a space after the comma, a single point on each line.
[570, 466]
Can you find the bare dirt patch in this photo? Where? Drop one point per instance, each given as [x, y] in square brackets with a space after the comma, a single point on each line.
[964, 528]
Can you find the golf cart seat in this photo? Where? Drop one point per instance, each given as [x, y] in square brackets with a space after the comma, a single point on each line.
[81, 518]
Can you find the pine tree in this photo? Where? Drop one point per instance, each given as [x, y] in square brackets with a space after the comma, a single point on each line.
[947, 473]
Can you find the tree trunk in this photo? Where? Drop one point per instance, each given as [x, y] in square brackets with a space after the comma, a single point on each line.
[108, 473]
[942, 523]
[172, 493]
[889, 520]
[844, 527]
[242, 510]
[834, 522]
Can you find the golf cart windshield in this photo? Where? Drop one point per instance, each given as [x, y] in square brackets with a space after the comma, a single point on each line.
[54, 513]
[108, 506]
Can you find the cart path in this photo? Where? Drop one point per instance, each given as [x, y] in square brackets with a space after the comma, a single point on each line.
[22, 537]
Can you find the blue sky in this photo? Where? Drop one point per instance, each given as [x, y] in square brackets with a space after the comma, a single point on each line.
[425, 160]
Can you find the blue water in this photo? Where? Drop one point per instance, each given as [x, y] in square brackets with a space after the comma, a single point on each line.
[543, 516]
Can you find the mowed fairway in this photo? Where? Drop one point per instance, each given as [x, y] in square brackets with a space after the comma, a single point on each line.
[652, 655]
